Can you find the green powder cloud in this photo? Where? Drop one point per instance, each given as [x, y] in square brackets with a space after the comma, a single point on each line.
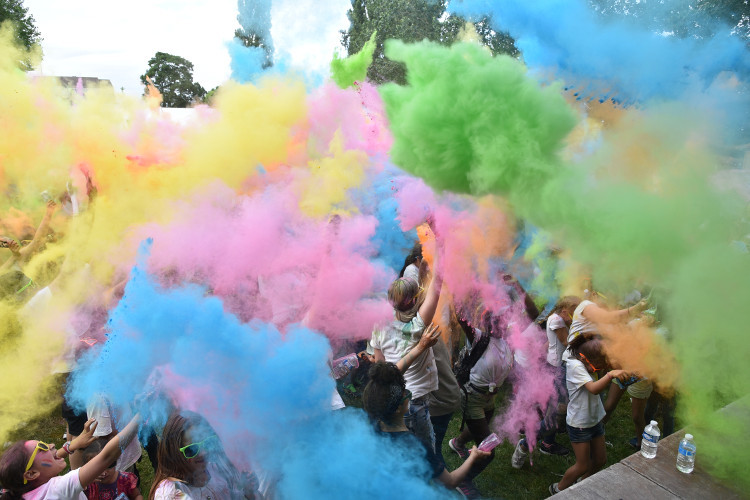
[353, 68]
[642, 208]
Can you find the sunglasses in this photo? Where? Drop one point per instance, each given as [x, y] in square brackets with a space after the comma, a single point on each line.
[192, 450]
[40, 446]
[589, 363]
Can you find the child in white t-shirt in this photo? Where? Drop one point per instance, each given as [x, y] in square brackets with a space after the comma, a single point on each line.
[29, 470]
[413, 309]
[585, 408]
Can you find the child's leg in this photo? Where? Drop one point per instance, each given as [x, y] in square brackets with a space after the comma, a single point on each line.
[613, 398]
[582, 465]
[598, 455]
[464, 437]
[479, 429]
[639, 419]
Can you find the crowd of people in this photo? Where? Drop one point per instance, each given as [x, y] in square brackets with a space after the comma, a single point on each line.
[426, 367]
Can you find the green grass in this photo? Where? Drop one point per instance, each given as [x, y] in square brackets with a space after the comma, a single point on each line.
[498, 480]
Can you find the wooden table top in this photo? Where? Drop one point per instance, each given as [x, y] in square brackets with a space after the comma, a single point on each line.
[638, 477]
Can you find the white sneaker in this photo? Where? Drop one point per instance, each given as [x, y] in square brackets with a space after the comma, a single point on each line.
[519, 456]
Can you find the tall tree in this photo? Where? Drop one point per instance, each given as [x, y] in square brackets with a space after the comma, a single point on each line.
[173, 76]
[255, 40]
[26, 33]
[410, 21]
[694, 19]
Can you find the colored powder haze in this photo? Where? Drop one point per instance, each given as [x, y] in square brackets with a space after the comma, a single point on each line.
[280, 214]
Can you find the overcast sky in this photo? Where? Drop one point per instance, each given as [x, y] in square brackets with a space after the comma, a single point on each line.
[115, 40]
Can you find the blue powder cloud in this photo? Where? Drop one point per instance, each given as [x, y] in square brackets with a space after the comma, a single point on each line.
[626, 57]
[266, 393]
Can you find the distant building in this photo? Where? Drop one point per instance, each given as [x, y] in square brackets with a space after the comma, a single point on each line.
[76, 84]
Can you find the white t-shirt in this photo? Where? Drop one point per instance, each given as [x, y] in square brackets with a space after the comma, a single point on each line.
[556, 348]
[100, 409]
[494, 365]
[67, 487]
[216, 489]
[396, 341]
[336, 402]
[580, 323]
[172, 490]
[584, 409]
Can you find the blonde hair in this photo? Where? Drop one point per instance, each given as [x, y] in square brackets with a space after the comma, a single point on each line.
[569, 302]
[405, 295]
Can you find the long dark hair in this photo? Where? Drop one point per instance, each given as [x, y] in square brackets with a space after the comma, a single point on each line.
[416, 253]
[384, 392]
[12, 468]
[173, 464]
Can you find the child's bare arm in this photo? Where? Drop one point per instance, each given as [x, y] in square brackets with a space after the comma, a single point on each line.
[111, 452]
[41, 232]
[135, 494]
[595, 387]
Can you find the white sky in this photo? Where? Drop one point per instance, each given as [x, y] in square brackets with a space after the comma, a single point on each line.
[115, 40]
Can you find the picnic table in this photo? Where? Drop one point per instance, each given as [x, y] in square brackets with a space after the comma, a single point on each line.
[656, 478]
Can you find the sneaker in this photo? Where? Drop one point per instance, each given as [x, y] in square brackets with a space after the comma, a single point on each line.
[461, 451]
[553, 449]
[469, 490]
[519, 456]
[634, 443]
[553, 489]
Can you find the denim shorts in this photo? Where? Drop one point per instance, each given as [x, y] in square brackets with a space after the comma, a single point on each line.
[579, 435]
[417, 420]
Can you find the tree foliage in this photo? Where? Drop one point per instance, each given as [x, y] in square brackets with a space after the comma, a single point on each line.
[26, 33]
[173, 76]
[255, 40]
[695, 18]
[410, 21]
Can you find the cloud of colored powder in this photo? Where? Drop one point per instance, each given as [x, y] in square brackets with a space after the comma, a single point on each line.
[642, 207]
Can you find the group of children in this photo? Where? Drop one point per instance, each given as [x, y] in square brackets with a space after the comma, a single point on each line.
[417, 383]
[583, 373]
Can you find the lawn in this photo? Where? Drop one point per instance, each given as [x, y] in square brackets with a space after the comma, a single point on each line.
[499, 480]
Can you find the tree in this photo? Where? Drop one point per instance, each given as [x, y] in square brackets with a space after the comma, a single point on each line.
[255, 40]
[173, 76]
[699, 19]
[410, 21]
[26, 33]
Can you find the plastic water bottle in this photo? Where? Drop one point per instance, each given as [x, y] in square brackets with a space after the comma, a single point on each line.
[686, 455]
[343, 365]
[650, 440]
[489, 443]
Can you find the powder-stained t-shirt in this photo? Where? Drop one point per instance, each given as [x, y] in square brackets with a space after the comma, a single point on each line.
[556, 348]
[580, 323]
[395, 341]
[584, 408]
[67, 487]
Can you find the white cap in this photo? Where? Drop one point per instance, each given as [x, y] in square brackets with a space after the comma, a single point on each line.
[688, 436]
[653, 422]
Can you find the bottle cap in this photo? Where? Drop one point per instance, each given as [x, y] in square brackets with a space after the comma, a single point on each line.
[653, 422]
[688, 436]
